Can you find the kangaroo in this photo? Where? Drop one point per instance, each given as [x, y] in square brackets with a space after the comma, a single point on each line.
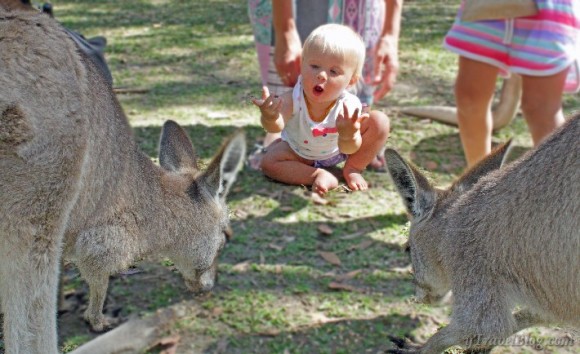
[497, 238]
[74, 183]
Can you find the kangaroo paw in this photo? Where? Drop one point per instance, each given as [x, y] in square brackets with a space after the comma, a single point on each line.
[102, 323]
[404, 346]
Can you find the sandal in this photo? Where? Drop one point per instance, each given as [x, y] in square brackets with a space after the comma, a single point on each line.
[255, 157]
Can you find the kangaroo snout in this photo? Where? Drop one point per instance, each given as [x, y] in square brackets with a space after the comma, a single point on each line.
[202, 284]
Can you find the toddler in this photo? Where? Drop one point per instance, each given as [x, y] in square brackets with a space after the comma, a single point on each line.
[322, 124]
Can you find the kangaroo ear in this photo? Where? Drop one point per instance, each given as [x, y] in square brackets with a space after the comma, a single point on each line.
[175, 148]
[416, 191]
[490, 163]
[223, 169]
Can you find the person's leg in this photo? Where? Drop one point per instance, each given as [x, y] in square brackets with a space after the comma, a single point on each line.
[474, 88]
[282, 164]
[375, 132]
[542, 103]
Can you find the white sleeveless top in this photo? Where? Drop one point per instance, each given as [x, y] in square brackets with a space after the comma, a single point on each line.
[312, 140]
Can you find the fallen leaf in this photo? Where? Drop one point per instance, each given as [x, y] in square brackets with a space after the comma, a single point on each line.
[317, 199]
[275, 246]
[241, 267]
[365, 244]
[216, 311]
[287, 208]
[348, 276]
[168, 344]
[330, 258]
[431, 165]
[271, 332]
[325, 229]
[340, 286]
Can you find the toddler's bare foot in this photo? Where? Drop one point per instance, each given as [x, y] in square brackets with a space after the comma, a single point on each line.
[323, 182]
[354, 179]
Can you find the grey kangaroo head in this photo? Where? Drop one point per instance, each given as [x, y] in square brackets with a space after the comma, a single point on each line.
[425, 204]
[205, 227]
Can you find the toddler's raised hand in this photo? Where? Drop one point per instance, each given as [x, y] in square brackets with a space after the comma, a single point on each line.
[349, 126]
[269, 105]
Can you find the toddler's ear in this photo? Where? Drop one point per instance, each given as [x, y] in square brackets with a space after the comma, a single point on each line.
[353, 80]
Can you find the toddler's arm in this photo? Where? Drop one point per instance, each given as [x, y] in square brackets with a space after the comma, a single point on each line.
[273, 109]
[348, 126]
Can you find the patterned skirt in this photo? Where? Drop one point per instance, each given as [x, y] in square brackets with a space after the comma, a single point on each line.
[539, 45]
[364, 16]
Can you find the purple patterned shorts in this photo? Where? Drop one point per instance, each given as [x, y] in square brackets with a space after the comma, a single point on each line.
[331, 161]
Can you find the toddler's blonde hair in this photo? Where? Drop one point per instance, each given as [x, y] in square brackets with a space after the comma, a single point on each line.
[337, 39]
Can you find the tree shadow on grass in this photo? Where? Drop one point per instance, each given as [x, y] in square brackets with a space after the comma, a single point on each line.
[349, 335]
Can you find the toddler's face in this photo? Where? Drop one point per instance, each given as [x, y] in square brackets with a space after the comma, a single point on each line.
[326, 75]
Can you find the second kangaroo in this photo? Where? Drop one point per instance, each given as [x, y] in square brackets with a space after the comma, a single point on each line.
[499, 239]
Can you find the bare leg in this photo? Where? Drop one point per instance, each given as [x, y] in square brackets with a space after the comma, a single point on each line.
[474, 90]
[283, 165]
[374, 132]
[542, 104]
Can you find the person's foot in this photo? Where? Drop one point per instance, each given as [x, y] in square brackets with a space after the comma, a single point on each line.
[255, 158]
[354, 179]
[323, 182]
[379, 164]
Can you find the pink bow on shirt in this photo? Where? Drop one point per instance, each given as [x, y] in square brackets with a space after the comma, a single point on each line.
[323, 131]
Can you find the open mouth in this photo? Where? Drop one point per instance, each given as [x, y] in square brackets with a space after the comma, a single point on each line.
[318, 90]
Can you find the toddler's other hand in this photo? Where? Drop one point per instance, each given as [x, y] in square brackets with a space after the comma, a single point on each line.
[269, 105]
[348, 126]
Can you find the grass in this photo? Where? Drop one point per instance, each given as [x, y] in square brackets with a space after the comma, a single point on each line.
[275, 294]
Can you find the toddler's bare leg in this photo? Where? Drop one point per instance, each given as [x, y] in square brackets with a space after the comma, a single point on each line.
[283, 165]
[324, 181]
[374, 132]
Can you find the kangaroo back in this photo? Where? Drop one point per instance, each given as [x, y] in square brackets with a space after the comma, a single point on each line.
[525, 219]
